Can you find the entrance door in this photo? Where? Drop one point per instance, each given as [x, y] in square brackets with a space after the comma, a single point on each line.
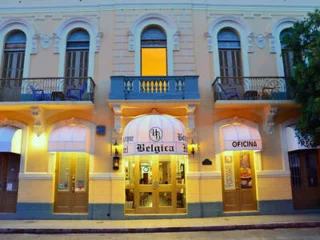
[305, 177]
[71, 183]
[239, 192]
[158, 186]
[9, 172]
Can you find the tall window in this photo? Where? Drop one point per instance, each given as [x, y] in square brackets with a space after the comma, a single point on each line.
[14, 51]
[153, 52]
[77, 57]
[287, 54]
[229, 56]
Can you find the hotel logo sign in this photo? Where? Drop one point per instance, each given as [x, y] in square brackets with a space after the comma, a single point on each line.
[155, 134]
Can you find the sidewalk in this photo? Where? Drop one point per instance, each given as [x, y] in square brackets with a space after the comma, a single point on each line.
[163, 225]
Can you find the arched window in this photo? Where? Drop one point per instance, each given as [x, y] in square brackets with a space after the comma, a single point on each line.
[14, 51]
[287, 54]
[153, 52]
[229, 56]
[77, 57]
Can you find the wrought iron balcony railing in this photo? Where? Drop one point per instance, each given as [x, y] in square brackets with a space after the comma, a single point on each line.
[251, 88]
[47, 89]
[157, 87]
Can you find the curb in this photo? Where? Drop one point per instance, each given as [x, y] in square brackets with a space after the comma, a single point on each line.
[157, 230]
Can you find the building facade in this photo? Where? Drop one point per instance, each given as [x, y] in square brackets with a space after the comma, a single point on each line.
[150, 109]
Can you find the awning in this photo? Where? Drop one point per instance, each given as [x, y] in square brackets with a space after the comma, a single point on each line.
[292, 140]
[155, 134]
[239, 137]
[69, 139]
[10, 139]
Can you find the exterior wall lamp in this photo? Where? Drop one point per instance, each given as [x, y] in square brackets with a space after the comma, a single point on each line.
[193, 146]
[116, 158]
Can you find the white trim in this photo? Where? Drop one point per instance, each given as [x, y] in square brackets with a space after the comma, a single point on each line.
[273, 174]
[35, 176]
[106, 176]
[274, 39]
[245, 38]
[204, 175]
[31, 44]
[62, 33]
[171, 32]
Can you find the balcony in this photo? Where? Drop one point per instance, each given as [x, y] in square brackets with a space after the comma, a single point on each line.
[59, 92]
[244, 91]
[162, 88]
[54, 89]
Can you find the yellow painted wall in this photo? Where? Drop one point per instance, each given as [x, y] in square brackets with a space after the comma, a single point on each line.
[210, 190]
[277, 188]
[37, 191]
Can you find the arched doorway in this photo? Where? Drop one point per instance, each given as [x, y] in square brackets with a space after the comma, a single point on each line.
[155, 154]
[237, 145]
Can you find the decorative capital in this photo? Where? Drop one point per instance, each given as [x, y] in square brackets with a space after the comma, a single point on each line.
[190, 115]
[272, 43]
[56, 42]
[34, 47]
[209, 41]
[269, 112]
[117, 118]
[38, 126]
[131, 45]
[98, 41]
[176, 45]
[250, 43]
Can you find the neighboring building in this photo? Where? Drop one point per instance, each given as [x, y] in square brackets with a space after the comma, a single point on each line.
[169, 109]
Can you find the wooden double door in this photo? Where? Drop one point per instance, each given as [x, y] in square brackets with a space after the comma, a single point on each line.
[157, 186]
[71, 183]
[9, 179]
[305, 178]
[239, 183]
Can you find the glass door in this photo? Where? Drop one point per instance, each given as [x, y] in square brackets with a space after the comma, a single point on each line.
[155, 184]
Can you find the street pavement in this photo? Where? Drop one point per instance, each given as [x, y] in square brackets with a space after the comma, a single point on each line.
[160, 225]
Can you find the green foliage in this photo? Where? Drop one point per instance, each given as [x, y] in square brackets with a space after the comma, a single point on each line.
[305, 85]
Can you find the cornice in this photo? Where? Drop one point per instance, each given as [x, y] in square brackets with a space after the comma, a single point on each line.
[284, 7]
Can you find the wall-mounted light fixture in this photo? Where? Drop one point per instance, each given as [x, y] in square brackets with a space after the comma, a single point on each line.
[116, 158]
[115, 145]
[193, 145]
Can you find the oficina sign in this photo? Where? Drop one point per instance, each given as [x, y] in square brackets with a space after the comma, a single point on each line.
[155, 134]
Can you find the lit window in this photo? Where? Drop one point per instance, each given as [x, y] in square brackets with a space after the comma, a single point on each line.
[153, 52]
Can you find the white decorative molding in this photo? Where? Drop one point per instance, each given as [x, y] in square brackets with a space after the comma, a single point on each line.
[209, 41]
[243, 30]
[61, 35]
[169, 28]
[269, 112]
[106, 176]
[260, 40]
[38, 125]
[250, 43]
[190, 114]
[117, 118]
[272, 43]
[204, 175]
[131, 46]
[13, 24]
[193, 175]
[56, 46]
[98, 41]
[35, 176]
[273, 174]
[176, 45]
[45, 40]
